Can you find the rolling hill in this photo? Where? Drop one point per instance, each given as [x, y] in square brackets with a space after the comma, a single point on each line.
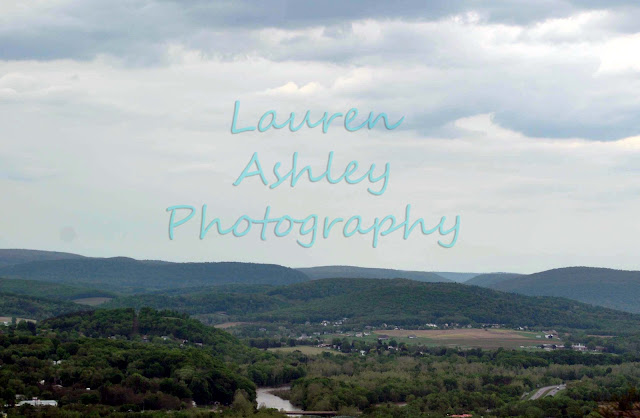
[123, 274]
[10, 257]
[405, 302]
[489, 279]
[394, 301]
[616, 289]
[351, 272]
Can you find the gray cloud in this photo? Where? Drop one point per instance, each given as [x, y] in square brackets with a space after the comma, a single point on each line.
[139, 31]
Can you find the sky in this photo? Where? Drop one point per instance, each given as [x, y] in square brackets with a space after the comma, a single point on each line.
[521, 117]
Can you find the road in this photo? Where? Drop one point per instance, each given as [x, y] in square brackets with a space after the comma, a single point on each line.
[548, 391]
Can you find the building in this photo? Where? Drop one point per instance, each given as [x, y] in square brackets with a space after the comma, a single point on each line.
[38, 402]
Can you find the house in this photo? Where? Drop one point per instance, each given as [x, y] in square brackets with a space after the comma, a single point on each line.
[579, 347]
[412, 336]
[382, 337]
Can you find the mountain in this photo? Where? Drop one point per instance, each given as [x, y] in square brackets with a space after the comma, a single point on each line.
[489, 279]
[616, 289]
[456, 277]
[351, 272]
[10, 257]
[405, 302]
[129, 275]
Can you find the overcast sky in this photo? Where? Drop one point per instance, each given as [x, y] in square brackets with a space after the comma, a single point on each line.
[521, 117]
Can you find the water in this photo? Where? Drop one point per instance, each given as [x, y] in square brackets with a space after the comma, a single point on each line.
[266, 398]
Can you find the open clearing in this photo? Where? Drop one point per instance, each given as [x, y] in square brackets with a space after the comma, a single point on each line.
[92, 301]
[8, 319]
[232, 324]
[483, 338]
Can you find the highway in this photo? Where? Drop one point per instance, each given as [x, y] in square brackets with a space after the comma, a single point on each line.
[548, 391]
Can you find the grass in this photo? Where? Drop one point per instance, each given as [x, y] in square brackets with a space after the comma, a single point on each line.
[465, 337]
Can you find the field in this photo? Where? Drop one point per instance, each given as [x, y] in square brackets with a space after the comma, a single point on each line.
[92, 301]
[482, 338]
[8, 319]
[231, 324]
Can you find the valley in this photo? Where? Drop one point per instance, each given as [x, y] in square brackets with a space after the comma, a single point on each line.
[222, 336]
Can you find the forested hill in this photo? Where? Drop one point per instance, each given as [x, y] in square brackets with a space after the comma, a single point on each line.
[30, 307]
[129, 275]
[127, 323]
[617, 289]
[19, 256]
[395, 301]
[123, 361]
[405, 302]
[351, 272]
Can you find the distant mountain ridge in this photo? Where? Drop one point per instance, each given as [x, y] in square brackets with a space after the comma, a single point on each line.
[616, 289]
[488, 279]
[351, 272]
[14, 256]
[127, 275]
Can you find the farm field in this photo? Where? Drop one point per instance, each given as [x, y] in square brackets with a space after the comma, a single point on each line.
[8, 319]
[482, 338]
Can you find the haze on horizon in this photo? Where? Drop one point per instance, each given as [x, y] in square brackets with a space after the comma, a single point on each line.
[520, 118]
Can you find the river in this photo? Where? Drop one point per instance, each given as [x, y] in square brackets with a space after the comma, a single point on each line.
[266, 398]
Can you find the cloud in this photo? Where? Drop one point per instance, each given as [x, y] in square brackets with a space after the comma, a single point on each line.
[522, 118]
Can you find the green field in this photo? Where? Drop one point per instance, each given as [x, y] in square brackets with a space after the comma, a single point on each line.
[466, 337]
